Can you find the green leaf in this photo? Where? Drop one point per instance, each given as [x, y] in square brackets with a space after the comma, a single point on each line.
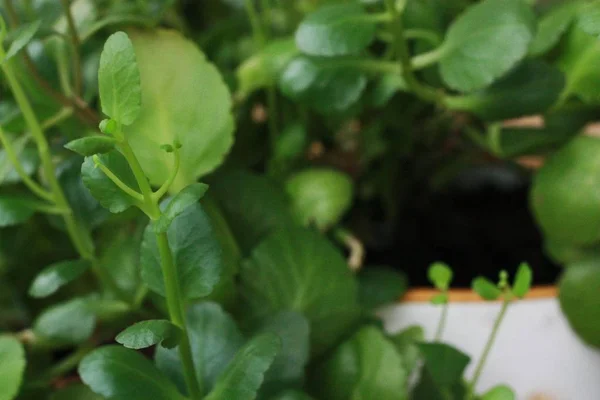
[88, 146]
[71, 322]
[485, 42]
[15, 210]
[182, 200]
[22, 38]
[244, 375]
[328, 86]
[440, 275]
[523, 279]
[365, 367]
[445, 364]
[386, 87]
[118, 373]
[119, 80]
[486, 288]
[214, 339]
[108, 194]
[589, 18]
[378, 286]
[196, 254]
[319, 196]
[55, 276]
[185, 101]
[440, 298]
[335, 30]
[12, 367]
[579, 300]
[298, 270]
[149, 333]
[27, 156]
[553, 25]
[532, 88]
[76, 392]
[500, 392]
[406, 343]
[291, 395]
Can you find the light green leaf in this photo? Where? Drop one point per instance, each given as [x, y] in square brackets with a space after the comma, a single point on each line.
[444, 363]
[22, 38]
[365, 367]
[553, 25]
[182, 200]
[523, 279]
[119, 80]
[440, 275]
[486, 288]
[500, 392]
[196, 254]
[184, 100]
[12, 367]
[295, 269]
[149, 333]
[244, 375]
[336, 29]
[485, 42]
[328, 86]
[379, 286]
[118, 373]
[320, 197]
[406, 343]
[589, 18]
[440, 298]
[55, 276]
[15, 210]
[88, 146]
[214, 339]
[71, 322]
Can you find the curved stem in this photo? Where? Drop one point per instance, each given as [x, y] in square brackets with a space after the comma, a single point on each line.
[115, 179]
[165, 187]
[77, 74]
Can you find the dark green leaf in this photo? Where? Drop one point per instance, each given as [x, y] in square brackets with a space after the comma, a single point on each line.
[445, 363]
[298, 270]
[55, 276]
[378, 286]
[244, 375]
[291, 395]
[485, 42]
[406, 343]
[196, 253]
[440, 275]
[119, 80]
[15, 210]
[71, 322]
[522, 282]
[76, 392]
[500, 392]
[336, 29]
[188, 196]
[486, 288]
[579, 300]
[427, 389]
[589, 18]
[328, 86]
[88, 146]
[149, 333]
[118, 373]
[12, 366]
[22, 39]
[386, 87]
[553, 25]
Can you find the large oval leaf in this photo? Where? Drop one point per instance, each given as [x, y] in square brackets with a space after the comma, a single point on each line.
[65, 323]
[184, 99]
[12, 367]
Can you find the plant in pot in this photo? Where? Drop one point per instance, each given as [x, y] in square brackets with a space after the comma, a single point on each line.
[344, 117]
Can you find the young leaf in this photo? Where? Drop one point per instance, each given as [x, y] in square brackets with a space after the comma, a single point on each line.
[320, 197]
[299, 270]
[336, 29]
[149, 333]
[119, 80]
[22, 38]
[440, 298]
[55, 276]
[504, 29]
[486, 288]
[378, 286]
[196, 253]
[500, 392]
[327, 85]
[522, 282]
[71, 322]
[179, 90]
[88, 146]
[553, 25]
[440, 275]
[188, 196]
[118, 373]
[444, 363]
[12, 367]
[244, 375]
[15, 210]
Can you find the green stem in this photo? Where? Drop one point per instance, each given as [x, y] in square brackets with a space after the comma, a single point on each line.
[57, 118]
[67, 364]
[151, 208]
[257, 28]
[424, 60]
[115, 179]
[165, 187]
[442, 323]
[77, 70]
[424, 34]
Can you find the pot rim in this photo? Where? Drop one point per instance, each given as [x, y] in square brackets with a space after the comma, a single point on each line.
[424, 295]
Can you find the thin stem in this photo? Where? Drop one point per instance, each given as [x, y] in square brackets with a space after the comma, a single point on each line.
[257, 28]
[442, 323]
[57, 118]
[77, 70]
[424, 34]
[140, 177]
[123, 186]
[67, 364]
[52, 209]
[424, 60]
[156, 196]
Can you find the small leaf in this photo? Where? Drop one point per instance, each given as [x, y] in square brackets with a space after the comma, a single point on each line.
[15, 210]
[440, 275]
[119, 373]
[108, 126]
[149, 333]
[445, 364]
[119, 80]
[589, 18]
[553, 25]
[12, 367]
[89, 146]
[440, 298]
[188, 196]
[55, 276]
[244, 375]
[486, 288]
[522, 282]
[22, 38]
[379, 286]
[500, 392]
[336, 29]
[71, 322]
[406, 343]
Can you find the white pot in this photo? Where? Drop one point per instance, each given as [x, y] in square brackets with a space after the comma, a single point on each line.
[536, 352]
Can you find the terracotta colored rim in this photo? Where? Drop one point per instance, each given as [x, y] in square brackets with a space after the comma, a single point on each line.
[424, 295]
